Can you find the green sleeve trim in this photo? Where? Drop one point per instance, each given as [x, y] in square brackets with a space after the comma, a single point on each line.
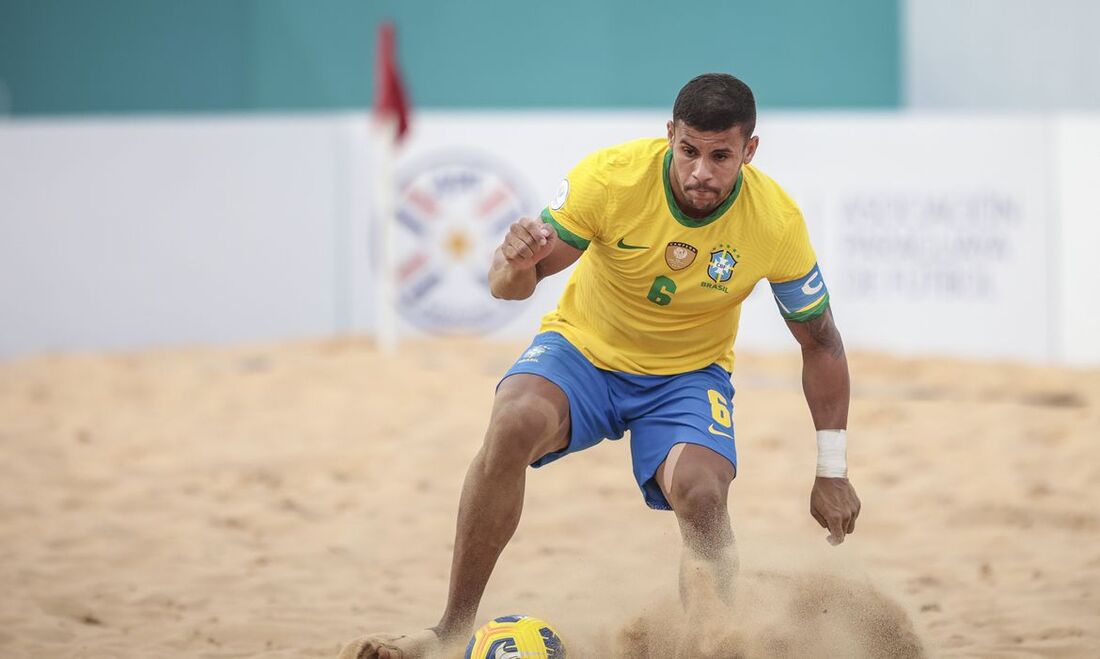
[809, 314]
[563, 233]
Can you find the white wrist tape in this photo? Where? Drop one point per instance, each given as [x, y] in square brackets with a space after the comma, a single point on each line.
[832, 448]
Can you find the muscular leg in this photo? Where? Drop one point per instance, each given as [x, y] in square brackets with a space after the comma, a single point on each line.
[697, 488]
[530, 418]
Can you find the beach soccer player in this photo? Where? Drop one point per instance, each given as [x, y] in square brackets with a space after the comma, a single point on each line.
[669, 236]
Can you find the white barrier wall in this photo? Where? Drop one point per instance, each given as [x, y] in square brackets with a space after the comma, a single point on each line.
[1076, 265]
[933, 232]
[937, 234]
[131, 233]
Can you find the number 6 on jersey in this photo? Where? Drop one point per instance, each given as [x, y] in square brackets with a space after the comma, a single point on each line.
[661, 291]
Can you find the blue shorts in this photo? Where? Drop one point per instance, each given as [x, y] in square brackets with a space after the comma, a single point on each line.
[660, 411]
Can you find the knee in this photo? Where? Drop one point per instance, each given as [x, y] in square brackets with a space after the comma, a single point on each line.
[698, 495]
[522, 429]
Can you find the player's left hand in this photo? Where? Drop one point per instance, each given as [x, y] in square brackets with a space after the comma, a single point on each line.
[835, 506]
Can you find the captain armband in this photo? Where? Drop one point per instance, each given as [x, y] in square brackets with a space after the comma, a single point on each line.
[804, 298]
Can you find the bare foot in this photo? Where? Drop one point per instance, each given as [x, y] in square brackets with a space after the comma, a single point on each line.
[423, 644]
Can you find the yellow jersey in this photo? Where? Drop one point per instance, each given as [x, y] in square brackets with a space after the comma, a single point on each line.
[657, 292]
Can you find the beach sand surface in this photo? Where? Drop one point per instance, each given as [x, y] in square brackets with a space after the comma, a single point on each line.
[279, 500]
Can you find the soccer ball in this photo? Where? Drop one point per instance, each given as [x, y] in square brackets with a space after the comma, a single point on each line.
[515, 637]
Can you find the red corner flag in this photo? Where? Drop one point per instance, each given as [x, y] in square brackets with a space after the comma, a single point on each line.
[389, 94]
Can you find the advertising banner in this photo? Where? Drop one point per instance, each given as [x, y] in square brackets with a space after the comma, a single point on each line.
[931, 232]
[936, 234]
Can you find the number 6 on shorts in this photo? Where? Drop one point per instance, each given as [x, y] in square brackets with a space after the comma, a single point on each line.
[719, 408]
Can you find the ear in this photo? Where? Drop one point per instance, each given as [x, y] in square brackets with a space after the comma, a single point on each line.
[671, 131]
[750, 148]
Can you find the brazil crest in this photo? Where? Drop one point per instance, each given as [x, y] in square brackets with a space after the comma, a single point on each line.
[721, 265]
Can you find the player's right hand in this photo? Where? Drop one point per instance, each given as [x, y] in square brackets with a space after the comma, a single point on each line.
[527, 242]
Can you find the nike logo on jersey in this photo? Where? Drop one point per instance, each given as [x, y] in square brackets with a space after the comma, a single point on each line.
[622, 245]
[715, 431]
[810, 290]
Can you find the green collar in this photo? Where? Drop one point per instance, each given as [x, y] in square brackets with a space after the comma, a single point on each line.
[691, 222]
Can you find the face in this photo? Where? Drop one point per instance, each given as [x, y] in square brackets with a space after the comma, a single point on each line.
[705, 165]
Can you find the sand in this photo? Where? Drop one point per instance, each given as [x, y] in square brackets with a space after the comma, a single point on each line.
[277, 500]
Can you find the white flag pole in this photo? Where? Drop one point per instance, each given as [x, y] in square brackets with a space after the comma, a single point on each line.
[385, 216]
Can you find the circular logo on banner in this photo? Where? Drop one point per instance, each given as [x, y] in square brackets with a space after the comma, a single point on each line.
[452, 212]
[560, 195]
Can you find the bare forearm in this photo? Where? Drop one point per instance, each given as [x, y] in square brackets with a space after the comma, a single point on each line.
[530, 251]
[507, 282]
[833, 500]
[825, 373]
[827, 388]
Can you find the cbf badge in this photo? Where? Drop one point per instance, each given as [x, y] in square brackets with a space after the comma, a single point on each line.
[679, 255]
[722, 261]
[452, 212]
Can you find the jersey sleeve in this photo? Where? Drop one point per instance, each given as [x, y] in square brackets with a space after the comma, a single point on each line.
[579, 205]
[795, 277]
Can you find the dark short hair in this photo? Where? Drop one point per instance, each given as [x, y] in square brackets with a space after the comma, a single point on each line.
[715, 102]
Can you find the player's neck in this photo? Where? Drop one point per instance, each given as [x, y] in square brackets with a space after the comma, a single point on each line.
[689, 211]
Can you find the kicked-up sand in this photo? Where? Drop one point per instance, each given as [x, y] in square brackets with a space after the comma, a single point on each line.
[278, 500]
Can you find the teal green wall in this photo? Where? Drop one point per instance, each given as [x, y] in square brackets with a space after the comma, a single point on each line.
[76, 56]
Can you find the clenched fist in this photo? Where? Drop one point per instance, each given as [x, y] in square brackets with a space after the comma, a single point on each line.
[527, 242]
[835, 506]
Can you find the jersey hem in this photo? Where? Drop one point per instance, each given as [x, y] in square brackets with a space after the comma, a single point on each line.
[576, 338]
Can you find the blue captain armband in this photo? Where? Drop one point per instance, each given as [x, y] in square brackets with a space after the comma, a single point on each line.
[804, 298]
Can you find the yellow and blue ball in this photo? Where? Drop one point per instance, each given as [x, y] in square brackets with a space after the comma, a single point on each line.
[512, 637]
